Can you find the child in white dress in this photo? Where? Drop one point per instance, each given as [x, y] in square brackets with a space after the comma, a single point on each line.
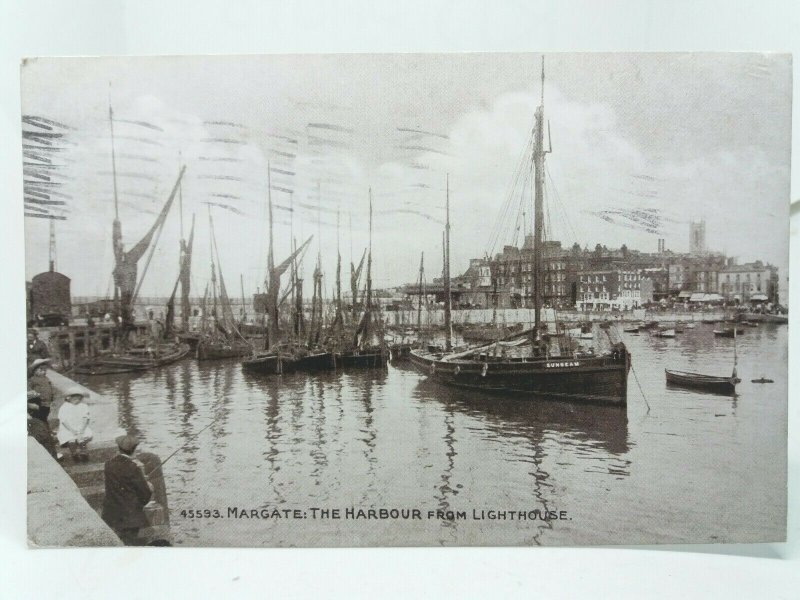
[73, 424]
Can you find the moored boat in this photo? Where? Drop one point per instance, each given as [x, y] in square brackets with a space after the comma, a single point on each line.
[698, 381]
[729, 332]
[133, 359]
[317, 360]
[665, 332]
[537, 363]
[369, 357]
[270, 363]
[211, 349]
[580, 377]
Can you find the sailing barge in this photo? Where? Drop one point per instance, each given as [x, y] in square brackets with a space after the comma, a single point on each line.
[130, 356]
[532, 364]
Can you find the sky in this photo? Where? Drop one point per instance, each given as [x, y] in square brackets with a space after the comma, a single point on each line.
[641, 145]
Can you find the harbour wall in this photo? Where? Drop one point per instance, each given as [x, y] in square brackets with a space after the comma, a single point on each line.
[74, 492]
[58, 514]
[525, 316]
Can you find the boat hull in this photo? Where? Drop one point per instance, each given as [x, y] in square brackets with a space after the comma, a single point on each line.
[601, 380]
[698, 381]
[218, 351]
[270, 364]
[131, 362]
[400, 351]
[361, 359]
[727, 333]
[319, 361]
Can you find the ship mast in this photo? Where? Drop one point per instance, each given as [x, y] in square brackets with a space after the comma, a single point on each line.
[272, 292]
[368, 295]
[538, 210]
[117, 226]
[448, 327]
[419, 305]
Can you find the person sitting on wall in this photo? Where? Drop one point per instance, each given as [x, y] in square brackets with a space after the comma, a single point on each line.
[38, 429]
[38, 382]
[36, 347]
[73, 424]
[127, 492]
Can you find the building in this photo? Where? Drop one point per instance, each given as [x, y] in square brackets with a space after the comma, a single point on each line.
[604, 289]
[749, 282]
[691, 274]
[697, 237]
[609, 277]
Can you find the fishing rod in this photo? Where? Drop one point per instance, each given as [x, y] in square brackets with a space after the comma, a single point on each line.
[191, 437]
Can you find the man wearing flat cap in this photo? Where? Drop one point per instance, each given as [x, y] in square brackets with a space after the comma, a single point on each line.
[127, 492]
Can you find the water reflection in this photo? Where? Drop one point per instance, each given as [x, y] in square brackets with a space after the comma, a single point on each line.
[595, 426]
[391, 438]
[446, 489]
[273, 436]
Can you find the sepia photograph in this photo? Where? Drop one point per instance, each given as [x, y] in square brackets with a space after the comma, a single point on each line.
[464, 299]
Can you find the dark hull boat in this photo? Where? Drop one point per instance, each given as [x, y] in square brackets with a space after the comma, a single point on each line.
[365, 358]
[595, 379]
[400, 351]
[728, 333]
[133, 360]
[215, 350]
[698, 381]
[534, 364]
[316, 361]
[272, 363]
[630, 329]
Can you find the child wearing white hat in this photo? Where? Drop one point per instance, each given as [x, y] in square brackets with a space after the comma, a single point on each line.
[74, 419]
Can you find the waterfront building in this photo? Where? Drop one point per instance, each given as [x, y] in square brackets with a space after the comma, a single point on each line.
[691, 274]
[609, 289]
[573, 277]
[749, 282]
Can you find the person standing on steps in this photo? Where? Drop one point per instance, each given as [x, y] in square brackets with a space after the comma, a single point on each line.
[127, 492]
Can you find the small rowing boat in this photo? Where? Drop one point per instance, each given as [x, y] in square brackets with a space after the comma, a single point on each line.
[699, 381]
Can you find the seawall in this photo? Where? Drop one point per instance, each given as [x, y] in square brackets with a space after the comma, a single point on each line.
[58, 515]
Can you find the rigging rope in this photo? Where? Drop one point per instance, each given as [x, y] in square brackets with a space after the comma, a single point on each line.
[640, 388]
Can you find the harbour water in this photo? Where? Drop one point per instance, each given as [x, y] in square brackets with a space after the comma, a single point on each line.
[696, 467]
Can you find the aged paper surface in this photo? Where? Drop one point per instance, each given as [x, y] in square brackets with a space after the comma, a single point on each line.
[464, 299]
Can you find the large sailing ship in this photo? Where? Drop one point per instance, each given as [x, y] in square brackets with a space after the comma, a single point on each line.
[537, 363]
[279, 355]
[132, 353]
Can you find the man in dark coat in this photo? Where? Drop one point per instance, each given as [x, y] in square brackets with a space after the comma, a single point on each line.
[39, 382]
[127, 492]
[36, 347]
[38, 429]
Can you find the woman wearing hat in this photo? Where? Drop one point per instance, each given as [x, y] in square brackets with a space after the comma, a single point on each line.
[73, 424]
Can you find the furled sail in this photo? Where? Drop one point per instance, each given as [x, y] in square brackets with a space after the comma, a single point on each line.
[126, 268]
[186, 277]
